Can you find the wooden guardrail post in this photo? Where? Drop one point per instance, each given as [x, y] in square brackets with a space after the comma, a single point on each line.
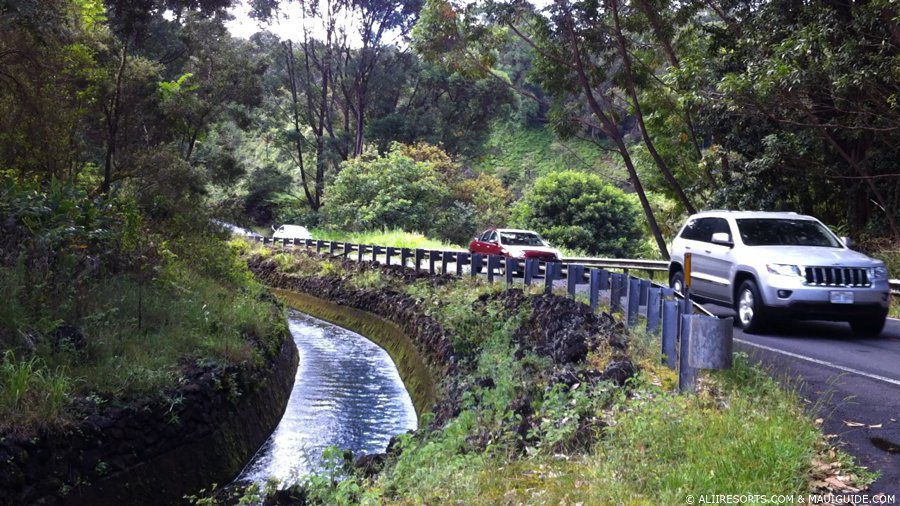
[670, 323]
[461, 259]
[634, 301]
[654, 295]
[475, 269]
[446, 257]
[389, 252]
[419, 254]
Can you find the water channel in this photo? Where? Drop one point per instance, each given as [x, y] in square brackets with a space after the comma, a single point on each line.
[347, 393]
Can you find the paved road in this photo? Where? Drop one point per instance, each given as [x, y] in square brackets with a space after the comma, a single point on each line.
[844, 379]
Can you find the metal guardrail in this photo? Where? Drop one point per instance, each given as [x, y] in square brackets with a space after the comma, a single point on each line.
[702, 340]
[621, 263]
[593, 272]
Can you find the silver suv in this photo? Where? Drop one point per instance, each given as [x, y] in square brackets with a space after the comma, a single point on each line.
[780, 264]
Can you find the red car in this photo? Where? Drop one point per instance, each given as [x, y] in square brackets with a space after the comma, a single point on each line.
[514, 243]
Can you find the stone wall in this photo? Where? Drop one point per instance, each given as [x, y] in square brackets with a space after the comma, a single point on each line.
[150, 452]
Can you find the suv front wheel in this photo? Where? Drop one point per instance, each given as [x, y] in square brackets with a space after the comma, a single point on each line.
[749, 308]
[868, 326]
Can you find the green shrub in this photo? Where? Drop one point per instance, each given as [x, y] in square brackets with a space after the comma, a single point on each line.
[382, 192]
[581, 212]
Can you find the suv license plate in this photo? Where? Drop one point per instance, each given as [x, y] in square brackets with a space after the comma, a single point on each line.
[842, 297]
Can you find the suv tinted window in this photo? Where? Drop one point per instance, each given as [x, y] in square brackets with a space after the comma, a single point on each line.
[692, 231]
[702, 229]
[785, 232]
[718, 225]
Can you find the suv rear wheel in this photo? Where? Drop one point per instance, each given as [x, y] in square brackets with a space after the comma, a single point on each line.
[676, 282]
[749, 308]
[868, 326]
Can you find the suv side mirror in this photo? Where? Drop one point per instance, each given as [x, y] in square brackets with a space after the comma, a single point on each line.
[848, 242]
[722, 238]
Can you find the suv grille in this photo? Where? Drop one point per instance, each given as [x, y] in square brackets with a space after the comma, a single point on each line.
[837, 276]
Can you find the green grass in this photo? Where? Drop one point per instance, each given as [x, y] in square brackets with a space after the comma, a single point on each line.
[395, 238]
[137, 335]
[518, 155]
[741, 432]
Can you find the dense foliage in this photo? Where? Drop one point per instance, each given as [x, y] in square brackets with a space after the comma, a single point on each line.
[584, 213]
[416, 188]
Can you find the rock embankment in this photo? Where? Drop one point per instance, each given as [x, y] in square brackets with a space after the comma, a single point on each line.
[153, 451]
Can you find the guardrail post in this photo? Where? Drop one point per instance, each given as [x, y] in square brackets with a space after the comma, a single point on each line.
[634, 300]
[604, 279]
[347, 248]
[266, 240]
[389, 252]
[319, 244]
[687, 375]
[433, 256]
[645, 289]
[493, 262]
[711, 343]
[550, 273]
[595, 289]
[529, 270]
[574, 275]
[653, 298]
[419, 254]
[446, 257]
[376, 250]
[615, 292]
[360, 251]
[511, 266]
[461, 260]
[670, 320]
[295, 242]
[475, 269]
[687, 306]
[404, 256]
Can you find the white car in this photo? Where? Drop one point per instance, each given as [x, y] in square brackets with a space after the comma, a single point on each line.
[291, 232]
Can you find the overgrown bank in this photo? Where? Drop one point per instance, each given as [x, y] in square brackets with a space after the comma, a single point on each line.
[140, 359]
[541, 401]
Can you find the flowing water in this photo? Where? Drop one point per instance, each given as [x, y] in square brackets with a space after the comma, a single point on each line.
[347, 394]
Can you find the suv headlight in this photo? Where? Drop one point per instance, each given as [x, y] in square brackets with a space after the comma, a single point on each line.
[784, 270]
[877, 273]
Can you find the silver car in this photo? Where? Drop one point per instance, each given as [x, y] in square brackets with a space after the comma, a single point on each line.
[766, 265]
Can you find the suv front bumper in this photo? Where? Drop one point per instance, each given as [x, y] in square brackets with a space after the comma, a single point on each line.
[814, 302]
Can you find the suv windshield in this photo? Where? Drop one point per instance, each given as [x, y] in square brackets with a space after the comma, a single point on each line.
[520, 239]
[785, 232]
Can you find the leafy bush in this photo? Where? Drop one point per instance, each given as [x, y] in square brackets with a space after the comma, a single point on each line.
[382, 192]
[580, 211]
[415, 188]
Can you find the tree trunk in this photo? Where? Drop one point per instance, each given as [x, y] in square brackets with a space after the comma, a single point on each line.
[611, 130]
[632, 91]
[295, 116]
[112, 124]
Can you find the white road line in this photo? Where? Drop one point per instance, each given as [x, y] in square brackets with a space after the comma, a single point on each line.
[820, 362]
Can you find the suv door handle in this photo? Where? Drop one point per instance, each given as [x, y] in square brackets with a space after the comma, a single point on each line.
[708, 251]
[687, 247]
